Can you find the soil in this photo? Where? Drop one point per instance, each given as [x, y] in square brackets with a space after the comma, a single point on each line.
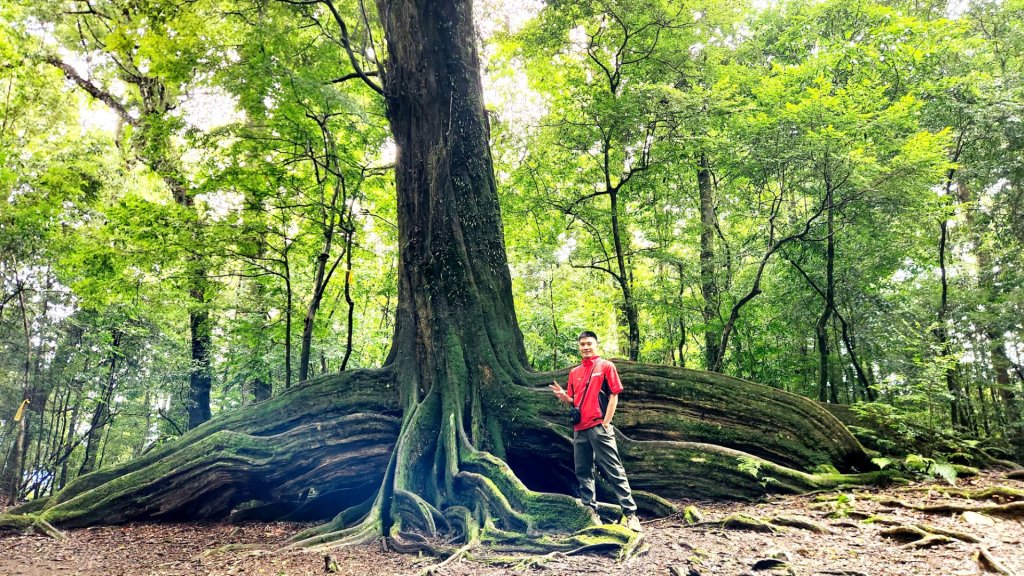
[852, 546]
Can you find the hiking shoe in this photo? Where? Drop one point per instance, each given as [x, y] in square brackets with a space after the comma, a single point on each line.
[633, 523]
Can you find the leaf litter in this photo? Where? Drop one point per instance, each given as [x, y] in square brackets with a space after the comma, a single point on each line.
[847, 539]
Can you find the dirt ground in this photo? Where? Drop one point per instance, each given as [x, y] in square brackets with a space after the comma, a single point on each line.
[852, 544]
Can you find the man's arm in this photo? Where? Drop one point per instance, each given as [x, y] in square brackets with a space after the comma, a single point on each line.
[613, 402]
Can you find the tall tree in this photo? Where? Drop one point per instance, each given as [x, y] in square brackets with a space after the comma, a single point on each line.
[133, 37]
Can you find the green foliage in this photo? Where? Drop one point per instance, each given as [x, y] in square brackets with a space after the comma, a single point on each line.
[921, 466]
[752, 466]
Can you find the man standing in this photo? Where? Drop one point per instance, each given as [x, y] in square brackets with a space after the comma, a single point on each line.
[593, 439]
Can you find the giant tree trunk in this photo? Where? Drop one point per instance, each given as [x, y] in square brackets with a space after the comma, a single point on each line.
[455, 435]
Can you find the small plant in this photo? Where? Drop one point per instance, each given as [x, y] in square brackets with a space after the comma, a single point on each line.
[839, 504]
[843, 505]
[920, 466]
[752, 466]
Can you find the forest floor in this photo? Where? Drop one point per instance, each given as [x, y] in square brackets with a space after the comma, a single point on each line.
[850, 541]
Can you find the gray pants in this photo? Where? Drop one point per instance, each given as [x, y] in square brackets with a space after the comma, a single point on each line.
[597, 445]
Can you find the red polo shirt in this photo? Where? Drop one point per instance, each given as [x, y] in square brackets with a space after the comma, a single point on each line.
[599, 371]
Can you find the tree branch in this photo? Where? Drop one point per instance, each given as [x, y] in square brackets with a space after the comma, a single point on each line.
[345, 41]
[93, 90]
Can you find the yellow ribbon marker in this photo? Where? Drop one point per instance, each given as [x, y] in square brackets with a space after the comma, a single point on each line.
[21, 410]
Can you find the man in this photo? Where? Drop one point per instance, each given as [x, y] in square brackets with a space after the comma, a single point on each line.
[593, 439]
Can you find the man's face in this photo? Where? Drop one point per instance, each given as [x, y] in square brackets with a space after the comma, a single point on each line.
[588, 347]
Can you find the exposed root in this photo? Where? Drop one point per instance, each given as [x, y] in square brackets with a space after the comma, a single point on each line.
[1012, 510]
[609, 538]
[692, 515]
[744, 522]
[496, 501]
[929, 541]
[800, 523]
[990, 461]
[883, 520]
[654, 505]
[962, 536]
[460, 553]
[29, 522]
[365, 532]
[540, 560]
[990, 563]
[925, 536]
[45, 527]
[32, 506]
[1015, 475]
[419, 513]
[998, 493]
[904, 533]
[413, 543]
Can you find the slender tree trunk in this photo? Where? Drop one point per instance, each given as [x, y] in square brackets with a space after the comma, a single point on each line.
[309, 320]
[323, 272]
[350, 303]
[151, 141]
[14, 464]
[140, 446]
[867, 390]
[261, 386]
[821, 327]
[629, 306]
[101, 415]
[681, 344]
[69, 443]
[708, 281]
[200, 379]
[957, 412]
[956, 409]
[287, 320]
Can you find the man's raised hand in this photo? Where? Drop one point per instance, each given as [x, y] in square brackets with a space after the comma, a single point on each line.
[559, 393]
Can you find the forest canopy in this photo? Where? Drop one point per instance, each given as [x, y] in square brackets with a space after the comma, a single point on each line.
[198, 208]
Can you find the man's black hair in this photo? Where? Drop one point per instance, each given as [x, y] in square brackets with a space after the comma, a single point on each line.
[586, 334]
